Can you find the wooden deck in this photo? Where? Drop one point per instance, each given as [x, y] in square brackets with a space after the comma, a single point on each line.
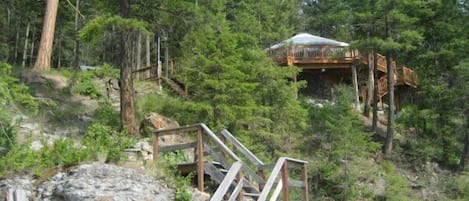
[335, 57]
[314, 57]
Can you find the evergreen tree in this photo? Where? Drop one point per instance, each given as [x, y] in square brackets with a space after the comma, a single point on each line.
[235, 83]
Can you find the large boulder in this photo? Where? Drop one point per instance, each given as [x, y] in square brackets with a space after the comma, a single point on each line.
[156, 121]
[103, 182]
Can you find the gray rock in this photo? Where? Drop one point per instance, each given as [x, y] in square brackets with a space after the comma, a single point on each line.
[103, 182]
[36, 145]
[3, 150]
[16, 188]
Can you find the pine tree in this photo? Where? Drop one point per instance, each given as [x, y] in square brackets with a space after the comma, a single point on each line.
[43, 60]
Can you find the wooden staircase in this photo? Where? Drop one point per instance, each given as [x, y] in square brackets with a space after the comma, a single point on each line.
[151, 73]
[403, 75]
[239, 173]
[174, 86]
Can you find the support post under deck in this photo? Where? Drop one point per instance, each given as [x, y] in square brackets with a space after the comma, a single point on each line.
[355, 87]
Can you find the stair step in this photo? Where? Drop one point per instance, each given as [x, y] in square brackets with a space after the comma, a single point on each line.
[252, 194]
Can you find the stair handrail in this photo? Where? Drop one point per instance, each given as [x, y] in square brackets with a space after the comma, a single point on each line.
[195, 127]
[282, 165]
[240, 147]
[256, 174]
[233, 173]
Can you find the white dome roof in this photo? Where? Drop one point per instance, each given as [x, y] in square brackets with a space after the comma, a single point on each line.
[308, 39]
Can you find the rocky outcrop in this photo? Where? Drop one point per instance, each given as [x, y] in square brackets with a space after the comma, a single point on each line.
[103, 182]
[94, 181]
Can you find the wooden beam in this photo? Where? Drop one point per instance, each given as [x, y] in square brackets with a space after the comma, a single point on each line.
[182, 129]
[285, 181]
[304, 177]
[200, 161]
[178, 147]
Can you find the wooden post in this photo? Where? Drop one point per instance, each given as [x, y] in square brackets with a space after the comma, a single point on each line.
[304, 177]
[200, 161]
[355, 87]
[260, 172]
[156, 147]
[285, 181]
[240, 179]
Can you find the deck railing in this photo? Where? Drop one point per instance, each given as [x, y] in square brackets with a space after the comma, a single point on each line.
[281, 184]
[144, 73]
[312, 54]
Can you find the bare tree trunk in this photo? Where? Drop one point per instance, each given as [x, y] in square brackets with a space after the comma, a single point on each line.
[375, 90]
[47, 38]
[148, 52]
[166, 60]
[126, 83]
[355, 86]
[76, 46]
[17, 41]
[391, 106]
[59, 51]
[25, 50]
[369, 93]
[31, 53]
[139, 51]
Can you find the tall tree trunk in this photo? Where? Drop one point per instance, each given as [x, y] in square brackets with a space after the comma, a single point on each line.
[139, 51]
[17, 41]
[59, 51]
[31, 53]
[369, 93]
[390, 131]
[355, 86]
[375, 90]
[47, 38]
[148, 51]
[126, 83]
[76, 46]
[25, 50]
[166, 60]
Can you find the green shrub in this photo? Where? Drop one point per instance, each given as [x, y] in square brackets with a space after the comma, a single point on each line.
[182, 184]
[105, 70]
[107, 115]
[168, 163]
[102, 138]
[12, 91]
[62, 153]
[7, 133]
[88, 88]
[457, 187]
[397, 187]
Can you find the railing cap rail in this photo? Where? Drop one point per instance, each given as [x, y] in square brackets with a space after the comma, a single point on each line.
[195, 127]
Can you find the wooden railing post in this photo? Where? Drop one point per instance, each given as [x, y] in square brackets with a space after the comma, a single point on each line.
[240, 179]
[304, 177]
[285, 181]
[200, 161]
[260, 172]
